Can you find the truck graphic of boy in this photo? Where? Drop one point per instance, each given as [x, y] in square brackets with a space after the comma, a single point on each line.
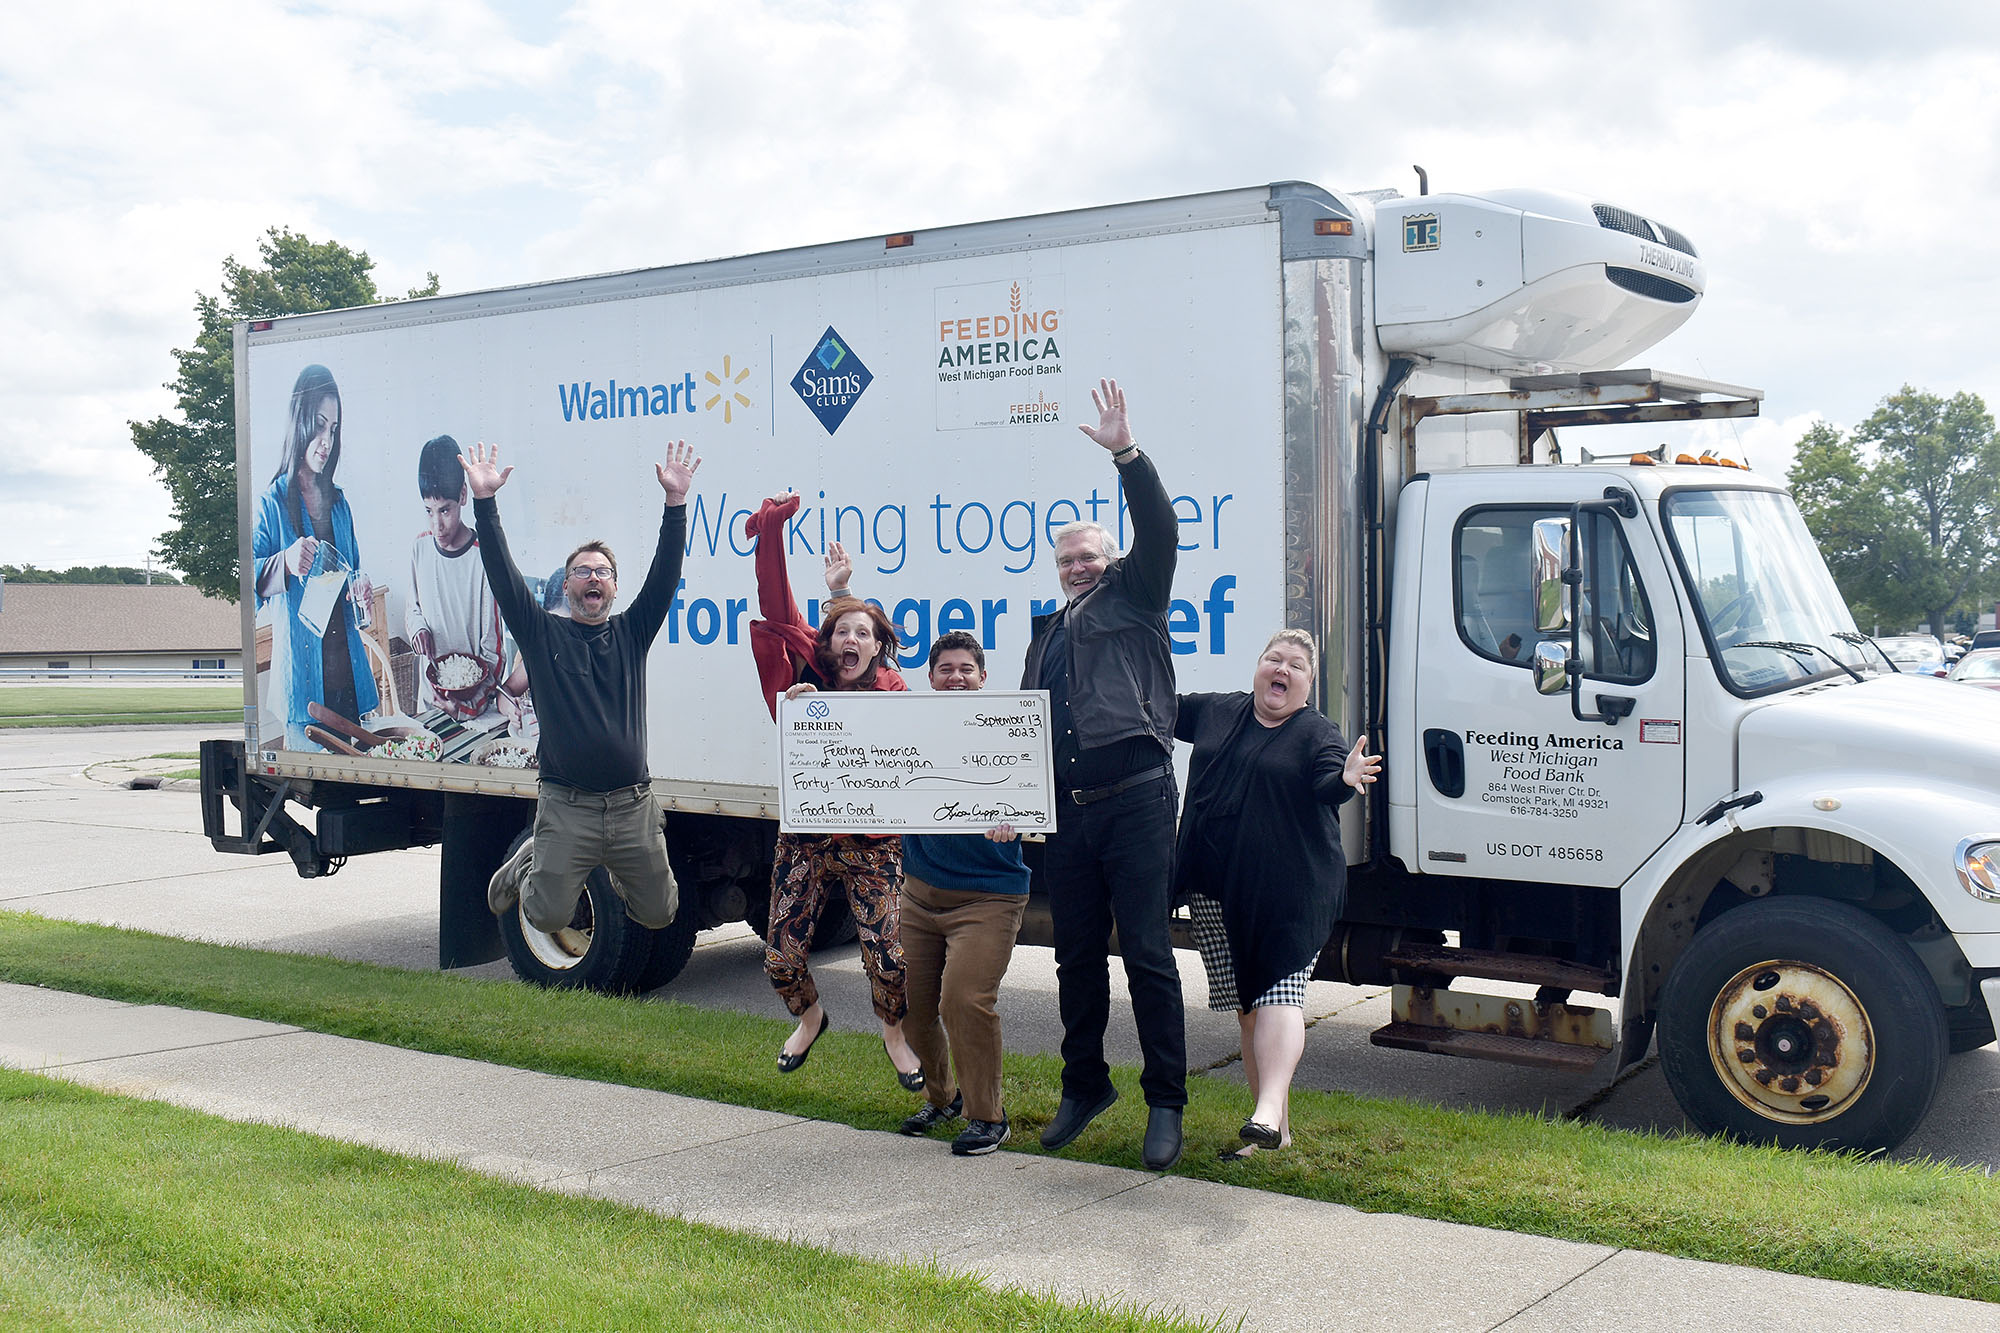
[452, 612]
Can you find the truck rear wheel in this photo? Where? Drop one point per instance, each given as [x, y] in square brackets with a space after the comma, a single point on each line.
[601, 949]
[673, 945]
[1804, 1023]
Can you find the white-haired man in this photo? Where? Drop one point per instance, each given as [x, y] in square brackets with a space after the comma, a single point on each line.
[1107, 663]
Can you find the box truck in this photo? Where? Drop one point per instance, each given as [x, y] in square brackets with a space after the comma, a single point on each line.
[1640, 766]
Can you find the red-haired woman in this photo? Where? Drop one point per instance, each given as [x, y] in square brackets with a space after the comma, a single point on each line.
[852, 650]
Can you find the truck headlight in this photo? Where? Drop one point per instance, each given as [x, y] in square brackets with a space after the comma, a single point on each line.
[1979, 868]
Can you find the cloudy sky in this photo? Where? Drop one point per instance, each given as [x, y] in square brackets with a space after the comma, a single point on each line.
[1835, 163]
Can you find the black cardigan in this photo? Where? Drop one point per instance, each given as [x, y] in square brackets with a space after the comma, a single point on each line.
[1260, 835]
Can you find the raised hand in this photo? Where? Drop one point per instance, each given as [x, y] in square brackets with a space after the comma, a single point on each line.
[483, 472]
[677, 473]
[1112, 431]
[1361, 768]
[839, 567]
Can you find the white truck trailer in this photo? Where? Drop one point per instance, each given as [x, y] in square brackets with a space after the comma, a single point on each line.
[1638, 759]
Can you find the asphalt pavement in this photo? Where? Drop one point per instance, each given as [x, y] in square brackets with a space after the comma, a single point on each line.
[84, 845]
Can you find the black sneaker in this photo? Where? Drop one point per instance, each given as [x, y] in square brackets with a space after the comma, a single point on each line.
[929, 1117]
[980, 1137]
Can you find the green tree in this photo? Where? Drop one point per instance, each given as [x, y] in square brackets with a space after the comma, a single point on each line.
[1906, 506]
[196, 455]
[84, 574]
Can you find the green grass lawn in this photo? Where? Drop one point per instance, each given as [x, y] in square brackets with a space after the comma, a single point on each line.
[1917, 1226]
[117, 705]
[138, 1216]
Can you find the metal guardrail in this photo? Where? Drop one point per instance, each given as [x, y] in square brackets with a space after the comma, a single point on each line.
[119, 673]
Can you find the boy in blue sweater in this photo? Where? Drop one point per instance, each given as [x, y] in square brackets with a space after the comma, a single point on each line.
[963, 895]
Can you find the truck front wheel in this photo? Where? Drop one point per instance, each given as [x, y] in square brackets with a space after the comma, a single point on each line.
[1804, 1023]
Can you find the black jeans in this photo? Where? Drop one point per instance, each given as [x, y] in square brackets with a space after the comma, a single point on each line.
[1112, 862]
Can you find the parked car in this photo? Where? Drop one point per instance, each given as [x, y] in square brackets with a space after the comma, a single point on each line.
[1981, 666]
[1986, 638]
[1918, 654]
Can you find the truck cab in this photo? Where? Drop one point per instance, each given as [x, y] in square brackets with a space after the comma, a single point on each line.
[1637, 747]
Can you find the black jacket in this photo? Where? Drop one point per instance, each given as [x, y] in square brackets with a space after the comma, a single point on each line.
[1121, 665]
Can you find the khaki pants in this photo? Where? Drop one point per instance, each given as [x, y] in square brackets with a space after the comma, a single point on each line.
[577, 831]
[956, 947]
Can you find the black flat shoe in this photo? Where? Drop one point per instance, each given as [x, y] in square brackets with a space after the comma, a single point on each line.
[911, 1082]
[1072, 1118]
[787, 1063]
[1263, 1136]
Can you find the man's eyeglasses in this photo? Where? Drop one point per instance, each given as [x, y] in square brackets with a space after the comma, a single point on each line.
[594, 574]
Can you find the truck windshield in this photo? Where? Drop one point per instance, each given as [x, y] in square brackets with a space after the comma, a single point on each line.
[1769, 608]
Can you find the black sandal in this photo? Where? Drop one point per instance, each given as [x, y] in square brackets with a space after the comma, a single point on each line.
[787, 1063]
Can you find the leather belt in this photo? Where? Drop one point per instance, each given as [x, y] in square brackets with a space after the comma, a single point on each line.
[1087, 795]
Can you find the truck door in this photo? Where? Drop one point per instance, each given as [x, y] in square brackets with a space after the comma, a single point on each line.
[1515, 786]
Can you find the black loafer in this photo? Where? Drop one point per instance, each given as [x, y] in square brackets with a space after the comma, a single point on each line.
[787, 1063]
[1163, 1138]
[930, 1115]
[1072, 1118]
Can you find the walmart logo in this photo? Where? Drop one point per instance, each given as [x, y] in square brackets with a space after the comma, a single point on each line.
[726, 396]
[832, 380]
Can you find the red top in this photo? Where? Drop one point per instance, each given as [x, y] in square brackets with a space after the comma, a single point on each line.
[782, 643]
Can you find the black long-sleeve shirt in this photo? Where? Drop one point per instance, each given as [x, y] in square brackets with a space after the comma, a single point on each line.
[588, 681]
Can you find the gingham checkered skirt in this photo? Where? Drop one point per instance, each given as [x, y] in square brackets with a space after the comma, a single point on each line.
[1213, 941]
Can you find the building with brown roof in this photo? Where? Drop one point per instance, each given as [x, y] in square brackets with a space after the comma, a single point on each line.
[97, 625]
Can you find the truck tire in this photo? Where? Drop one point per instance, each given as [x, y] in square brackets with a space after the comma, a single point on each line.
[1804, 1023]
[602, 949]
[673, 945]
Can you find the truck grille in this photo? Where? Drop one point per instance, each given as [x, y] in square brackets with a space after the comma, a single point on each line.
[1649, 284]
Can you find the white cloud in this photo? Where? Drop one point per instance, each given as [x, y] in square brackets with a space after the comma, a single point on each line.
[1836, 165]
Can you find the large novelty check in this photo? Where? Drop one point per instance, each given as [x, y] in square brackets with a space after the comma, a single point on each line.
[951, 761]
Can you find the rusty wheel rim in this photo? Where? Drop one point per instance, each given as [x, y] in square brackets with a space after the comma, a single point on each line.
[1791, 1042]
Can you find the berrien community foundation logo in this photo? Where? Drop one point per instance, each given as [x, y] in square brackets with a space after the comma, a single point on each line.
[832, 380]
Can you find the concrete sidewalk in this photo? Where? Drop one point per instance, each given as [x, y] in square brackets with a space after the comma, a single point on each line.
[1042, 1223]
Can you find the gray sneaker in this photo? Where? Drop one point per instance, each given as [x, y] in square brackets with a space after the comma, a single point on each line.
[503, 891]
[980, 1137]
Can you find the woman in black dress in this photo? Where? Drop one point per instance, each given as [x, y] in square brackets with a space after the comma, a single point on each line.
[1260, 861]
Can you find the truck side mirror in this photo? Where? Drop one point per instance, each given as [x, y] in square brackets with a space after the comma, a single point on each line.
[1551, 667]
[1552, 598]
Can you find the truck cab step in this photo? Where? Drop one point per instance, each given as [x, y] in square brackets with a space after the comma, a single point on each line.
[1492, 965]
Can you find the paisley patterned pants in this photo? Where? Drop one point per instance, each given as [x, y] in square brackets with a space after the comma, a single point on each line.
[809, 867]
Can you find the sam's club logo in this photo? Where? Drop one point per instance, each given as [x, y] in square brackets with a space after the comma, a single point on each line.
[832, 380]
